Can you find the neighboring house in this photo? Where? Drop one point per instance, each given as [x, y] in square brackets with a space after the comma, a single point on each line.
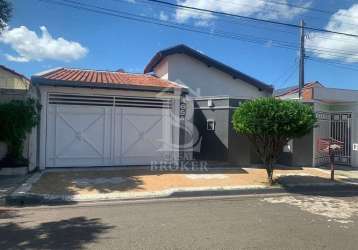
[216, 90]
[13, 86]
[10, 79]
[292, 92]
[106, 118]
[337, 114]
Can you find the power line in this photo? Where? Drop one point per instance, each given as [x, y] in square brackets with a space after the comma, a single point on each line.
[233, 21]
[296, 6]
[292, 68]
[133, 17]
[287, 4]
[334, 64]
[217, 33]
[290, 76]
[331, 51]
[311, 48]
[250, 24]
[144, 19]
[251, 18]
[246, 22]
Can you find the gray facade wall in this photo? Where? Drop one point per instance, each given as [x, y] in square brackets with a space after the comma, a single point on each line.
[240, 148]
[223, 144]
[302, 152]
[214, 144]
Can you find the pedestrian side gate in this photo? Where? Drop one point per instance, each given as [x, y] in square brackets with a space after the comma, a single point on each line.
[337, 126]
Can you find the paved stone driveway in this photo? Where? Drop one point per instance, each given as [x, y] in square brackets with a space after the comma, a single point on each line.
[102, 181]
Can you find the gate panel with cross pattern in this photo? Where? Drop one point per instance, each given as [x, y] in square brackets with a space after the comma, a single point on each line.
[104, 134]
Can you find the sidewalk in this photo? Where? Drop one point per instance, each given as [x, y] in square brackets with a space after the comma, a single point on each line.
[346, 174]
[109, 184]
[8, 184]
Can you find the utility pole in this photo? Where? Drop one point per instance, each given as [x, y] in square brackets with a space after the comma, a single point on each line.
[302, 60]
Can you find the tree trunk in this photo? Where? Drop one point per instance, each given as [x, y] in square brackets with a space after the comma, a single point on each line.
[269, 171]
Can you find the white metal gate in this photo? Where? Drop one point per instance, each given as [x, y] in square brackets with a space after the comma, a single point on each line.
[106, 130]
[337, 126]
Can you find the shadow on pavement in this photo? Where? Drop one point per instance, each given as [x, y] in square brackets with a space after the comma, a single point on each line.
[68, 183]
[105, 185]
[72, 233]
[314, 185]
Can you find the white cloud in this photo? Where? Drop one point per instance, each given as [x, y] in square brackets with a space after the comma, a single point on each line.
[163, 16]
[259, 8]
[31, 47]
[16, 58]
[344, 20]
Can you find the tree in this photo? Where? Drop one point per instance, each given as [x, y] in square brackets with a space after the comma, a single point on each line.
[5, 13]
[270, 123]
[17, 118]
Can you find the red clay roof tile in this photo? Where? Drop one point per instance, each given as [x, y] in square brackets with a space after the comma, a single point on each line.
[79, 76]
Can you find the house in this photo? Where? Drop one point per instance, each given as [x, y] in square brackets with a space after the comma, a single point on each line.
[215, 90]
[337, 114]
[13, 86]
[292, 92]
[106, 118]
[10, 79]
[111, 118]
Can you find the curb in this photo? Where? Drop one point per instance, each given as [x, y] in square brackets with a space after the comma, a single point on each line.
[25, 198]
[28, 199]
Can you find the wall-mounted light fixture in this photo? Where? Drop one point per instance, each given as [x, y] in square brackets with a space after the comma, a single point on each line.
[210, 124]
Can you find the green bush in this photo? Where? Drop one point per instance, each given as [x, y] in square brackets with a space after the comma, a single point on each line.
[270, 123]
[17, 118]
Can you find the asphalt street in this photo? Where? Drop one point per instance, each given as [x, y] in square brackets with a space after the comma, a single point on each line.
[283, 221]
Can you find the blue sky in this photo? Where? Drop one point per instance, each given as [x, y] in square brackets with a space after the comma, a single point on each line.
[99, 41]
